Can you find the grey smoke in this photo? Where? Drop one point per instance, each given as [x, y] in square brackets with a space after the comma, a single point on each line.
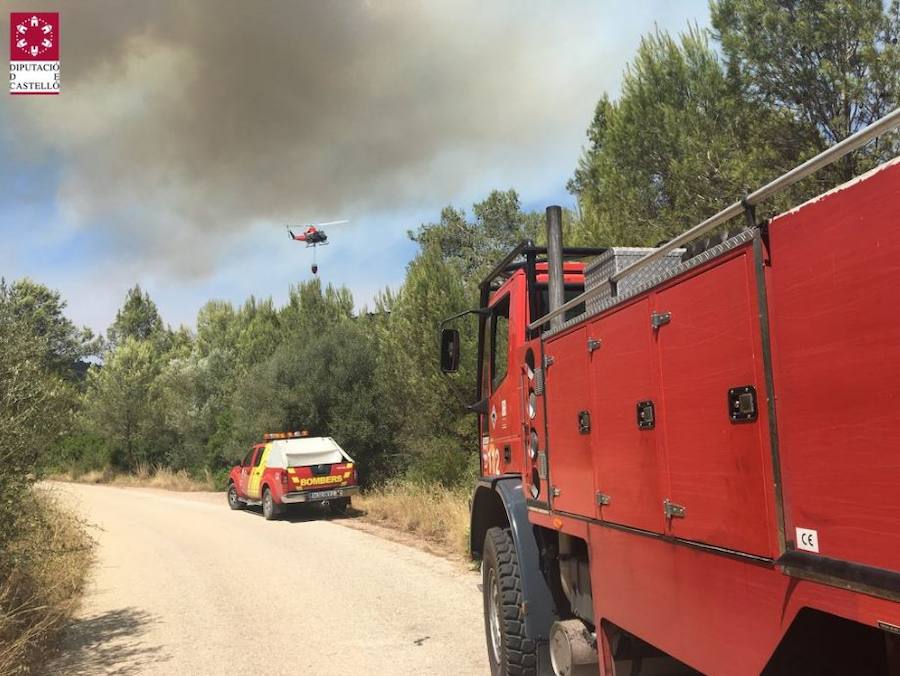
[183, 119]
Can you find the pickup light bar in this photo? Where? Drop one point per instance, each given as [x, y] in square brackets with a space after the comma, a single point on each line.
[271, 436]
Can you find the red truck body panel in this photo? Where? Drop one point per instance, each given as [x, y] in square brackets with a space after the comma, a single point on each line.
[717, 469]
[803, 312]
[629, 463]
[694, 455]
[833, 289]
[570, 466]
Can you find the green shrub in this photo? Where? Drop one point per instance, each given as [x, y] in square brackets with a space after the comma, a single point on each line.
[79, 453]
[443, 463]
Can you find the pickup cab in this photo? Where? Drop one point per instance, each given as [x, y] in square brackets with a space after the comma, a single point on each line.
[291, 468]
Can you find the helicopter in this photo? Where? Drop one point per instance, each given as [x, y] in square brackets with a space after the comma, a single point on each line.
[313, 236]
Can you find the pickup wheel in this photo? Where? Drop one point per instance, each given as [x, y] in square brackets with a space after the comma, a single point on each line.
[270, 509]
[233, 500]
[510, 651]
[339, 507]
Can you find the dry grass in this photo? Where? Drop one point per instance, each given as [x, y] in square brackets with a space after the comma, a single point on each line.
[146, 477]
[433, 512]
[42, 575]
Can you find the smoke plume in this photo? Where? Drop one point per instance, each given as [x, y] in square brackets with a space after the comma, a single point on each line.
[182, 124]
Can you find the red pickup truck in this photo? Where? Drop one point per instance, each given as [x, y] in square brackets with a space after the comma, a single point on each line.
[291, 468]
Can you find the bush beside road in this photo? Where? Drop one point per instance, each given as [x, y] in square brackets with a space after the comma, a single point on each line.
[42, 576]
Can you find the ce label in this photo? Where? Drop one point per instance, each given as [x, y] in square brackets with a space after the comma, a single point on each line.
[807, 540]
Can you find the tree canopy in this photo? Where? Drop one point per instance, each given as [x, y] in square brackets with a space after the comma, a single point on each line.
[36, 397]
[692, 131]
[701, 119]
[39, 313]
[832, 64]
[138, 318]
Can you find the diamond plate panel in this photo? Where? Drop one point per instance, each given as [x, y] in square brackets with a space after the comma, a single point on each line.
[598, 272]
[649, 282]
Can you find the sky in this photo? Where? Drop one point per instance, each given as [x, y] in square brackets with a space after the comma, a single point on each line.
[187, 135]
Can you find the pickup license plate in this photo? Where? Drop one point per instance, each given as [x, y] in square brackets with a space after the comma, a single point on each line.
[323, 495]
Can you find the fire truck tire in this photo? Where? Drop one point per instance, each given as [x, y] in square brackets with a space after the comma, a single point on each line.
[270, 509]
[510, 651]
[233, 500]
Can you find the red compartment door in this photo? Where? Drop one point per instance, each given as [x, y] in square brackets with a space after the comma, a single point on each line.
[569, 451]
[833, 289]
[628, 468]
[716, 467]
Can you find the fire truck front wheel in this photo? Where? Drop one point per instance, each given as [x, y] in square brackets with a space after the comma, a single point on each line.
[510, 651]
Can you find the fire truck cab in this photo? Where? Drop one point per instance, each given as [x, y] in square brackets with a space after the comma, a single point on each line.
[688, 454]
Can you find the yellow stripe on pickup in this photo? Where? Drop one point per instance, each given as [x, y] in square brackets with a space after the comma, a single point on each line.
[253, 489]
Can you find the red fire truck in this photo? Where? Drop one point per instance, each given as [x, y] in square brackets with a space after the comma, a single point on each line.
[691, 457]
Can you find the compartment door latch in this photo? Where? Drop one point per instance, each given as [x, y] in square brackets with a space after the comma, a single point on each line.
[646, 415]
[658, 319]
[742, 404]
[673, 511]
[584, 422]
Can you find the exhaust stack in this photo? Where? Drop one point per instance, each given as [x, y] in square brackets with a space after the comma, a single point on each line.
[555, 262]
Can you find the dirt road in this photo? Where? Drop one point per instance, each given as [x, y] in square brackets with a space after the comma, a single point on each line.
[182, 585]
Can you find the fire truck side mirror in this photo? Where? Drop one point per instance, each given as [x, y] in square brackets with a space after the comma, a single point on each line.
[449, 350]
